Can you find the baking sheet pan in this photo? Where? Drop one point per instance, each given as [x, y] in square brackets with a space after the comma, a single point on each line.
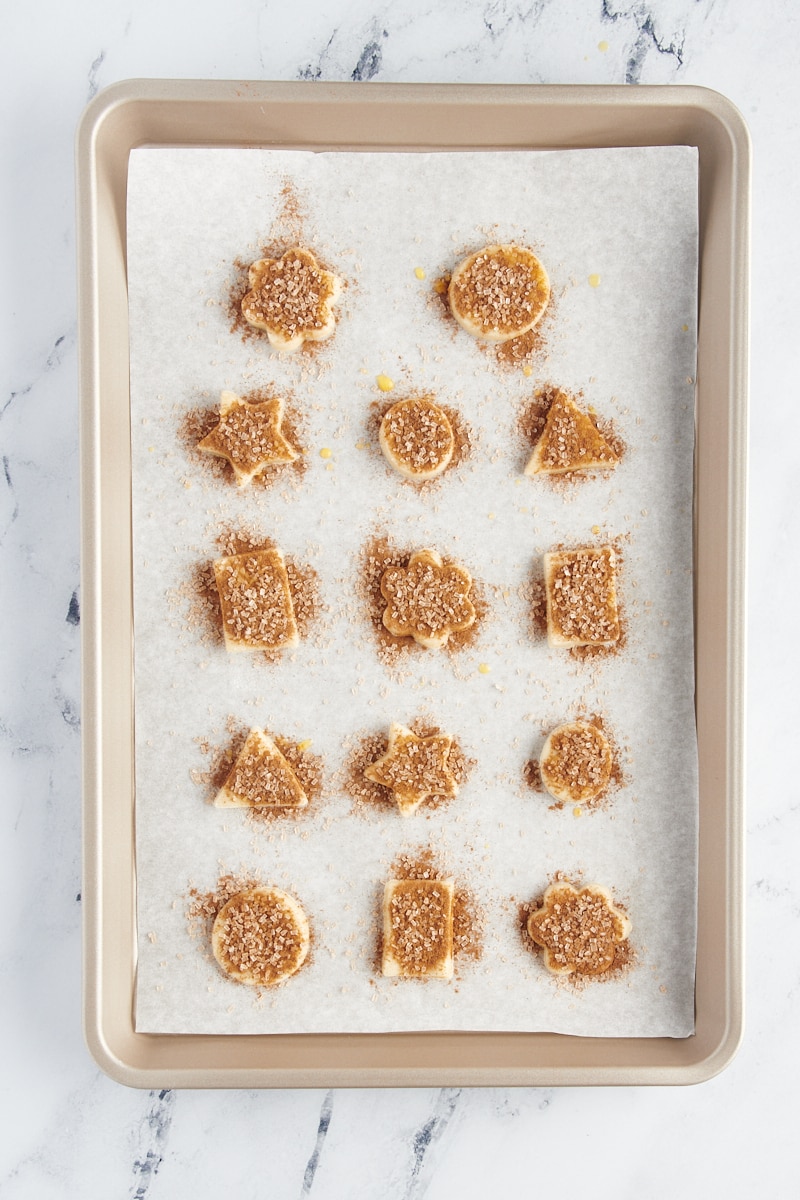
[416, 117]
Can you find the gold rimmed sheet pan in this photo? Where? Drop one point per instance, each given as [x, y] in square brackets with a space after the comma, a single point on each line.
[407, 117]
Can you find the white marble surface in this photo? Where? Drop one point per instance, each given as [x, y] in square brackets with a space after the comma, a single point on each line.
[67, 1131]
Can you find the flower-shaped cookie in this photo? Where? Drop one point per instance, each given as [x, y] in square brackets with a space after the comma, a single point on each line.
[414, 768]
[249, 436]
[291, 298]
[427, 600]
[579, 930]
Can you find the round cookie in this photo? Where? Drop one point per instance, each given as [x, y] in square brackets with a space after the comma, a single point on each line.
[576, 763]
[416, 438]
[261, 936]
[499, 292]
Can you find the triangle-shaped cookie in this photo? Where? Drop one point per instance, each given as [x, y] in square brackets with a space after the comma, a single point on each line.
[570, 441]
[261, 778]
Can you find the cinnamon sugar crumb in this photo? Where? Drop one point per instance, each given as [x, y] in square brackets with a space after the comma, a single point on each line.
[204, 906]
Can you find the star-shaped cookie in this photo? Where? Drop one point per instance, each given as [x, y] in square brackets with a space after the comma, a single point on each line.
[414, 768]
[291, 299]
[578, 929]
[427, 600]
[249, 436]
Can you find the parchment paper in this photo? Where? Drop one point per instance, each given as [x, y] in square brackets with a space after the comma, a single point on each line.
[627, 216]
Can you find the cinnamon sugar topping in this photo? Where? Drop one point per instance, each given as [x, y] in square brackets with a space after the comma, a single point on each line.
[256, 601]
[499, 292]
[418, 928]
[417, 438]
[261, 777]
[580, 931]
[576, 763]
[261, 936]
[581, 594]
[291, 299]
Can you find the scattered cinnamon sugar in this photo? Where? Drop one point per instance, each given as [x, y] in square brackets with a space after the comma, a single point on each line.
[306, 596]
[533, 415]
[518, 351]
[239, 287]
[468, 926]
[239, 540]
[534, 597]
[221, 759]
[288, 230]
[367, 750]
[204, 906]
[608, 430]
[439, 297]
[204, 613]
[532, 775]
[197, 423]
